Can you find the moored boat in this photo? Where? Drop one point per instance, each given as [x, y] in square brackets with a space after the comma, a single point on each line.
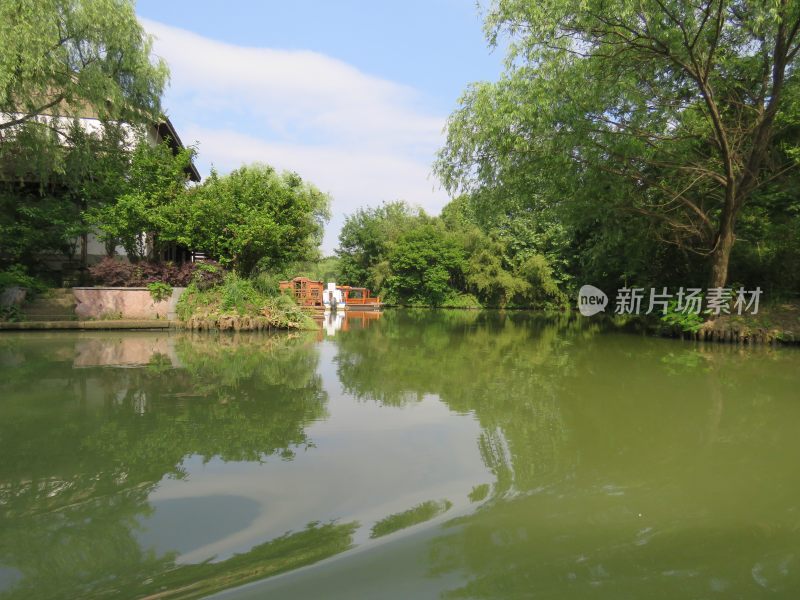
[359, 298]
[315, 294]
[305, 291]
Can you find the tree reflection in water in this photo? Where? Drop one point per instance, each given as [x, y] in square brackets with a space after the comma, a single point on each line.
[84, 447]
[624, 466]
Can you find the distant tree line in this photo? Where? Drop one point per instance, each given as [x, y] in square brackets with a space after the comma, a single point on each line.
[412, 258]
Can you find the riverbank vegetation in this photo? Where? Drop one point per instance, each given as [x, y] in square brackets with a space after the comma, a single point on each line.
[254, 222]
[240, 304]
[411, 258]
[651, 147]
[80, 94]
[620, 147]
[215, 298]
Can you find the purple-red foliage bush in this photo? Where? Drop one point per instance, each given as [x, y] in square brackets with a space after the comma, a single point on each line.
[112, 272]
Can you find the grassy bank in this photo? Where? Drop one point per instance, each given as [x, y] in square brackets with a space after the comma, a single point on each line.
[241, 305]
[777, 323]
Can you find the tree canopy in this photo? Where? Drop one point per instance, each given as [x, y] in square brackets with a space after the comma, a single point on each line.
[252, 217]
[138, 210]
[48, 189]
[454, 260]
[665, 112]
[60, 62]
[65, 57]
[366, 239]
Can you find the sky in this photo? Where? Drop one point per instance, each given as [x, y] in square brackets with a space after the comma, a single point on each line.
[353, 95]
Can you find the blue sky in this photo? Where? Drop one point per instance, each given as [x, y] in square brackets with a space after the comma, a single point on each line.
[351, 94]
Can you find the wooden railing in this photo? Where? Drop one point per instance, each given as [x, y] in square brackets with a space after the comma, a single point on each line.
[363, 300]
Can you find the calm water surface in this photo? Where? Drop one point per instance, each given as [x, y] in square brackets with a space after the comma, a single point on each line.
[404, 455]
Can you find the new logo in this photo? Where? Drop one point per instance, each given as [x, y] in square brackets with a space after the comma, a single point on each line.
[591, 300]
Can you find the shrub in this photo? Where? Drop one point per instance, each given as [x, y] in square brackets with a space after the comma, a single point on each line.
[112, 272]
[239, 299]
[207, 275]
[267, 284]
[239, 294]
[424, 261]
[11, 314]
[190, 302]
[689, 322]
[284, 302]
[160, 290]
[462, 301]
[16, 276]
[117, 273]
[234, 295]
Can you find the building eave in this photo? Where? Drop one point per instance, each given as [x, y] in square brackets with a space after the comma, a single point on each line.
[167, 130]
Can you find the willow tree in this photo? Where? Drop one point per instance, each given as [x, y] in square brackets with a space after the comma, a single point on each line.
[68, 59]
[673, 104]
[72, 57]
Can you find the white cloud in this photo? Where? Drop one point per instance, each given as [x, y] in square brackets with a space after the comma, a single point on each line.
[361, 138]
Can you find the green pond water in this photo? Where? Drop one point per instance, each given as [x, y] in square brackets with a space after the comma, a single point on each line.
[404, 455]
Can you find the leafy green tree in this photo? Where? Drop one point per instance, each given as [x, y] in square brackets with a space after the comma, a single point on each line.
[424, 263]
[153, 181]
[664, 110]
[486, 272]
[71, 57]
[503, 266]
[60, 60]
[456, 259]
[96, 173]
[366, 240]
[253, 217]
[48, 188]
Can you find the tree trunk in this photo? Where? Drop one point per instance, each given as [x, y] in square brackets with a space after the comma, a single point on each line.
[722, 254]
[84, 250]
[111, 247]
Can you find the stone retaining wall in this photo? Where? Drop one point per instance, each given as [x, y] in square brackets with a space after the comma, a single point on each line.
[123, 303]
